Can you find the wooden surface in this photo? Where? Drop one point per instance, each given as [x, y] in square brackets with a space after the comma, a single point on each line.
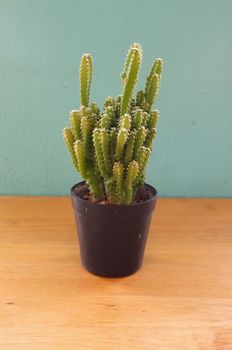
[180, 299]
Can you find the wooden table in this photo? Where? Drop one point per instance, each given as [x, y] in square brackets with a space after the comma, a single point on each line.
[180, 299]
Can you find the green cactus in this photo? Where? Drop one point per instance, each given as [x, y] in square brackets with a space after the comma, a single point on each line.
[111, 149]
[130, 75]
[86, 68]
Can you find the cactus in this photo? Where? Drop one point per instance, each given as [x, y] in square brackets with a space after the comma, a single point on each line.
[111, 149]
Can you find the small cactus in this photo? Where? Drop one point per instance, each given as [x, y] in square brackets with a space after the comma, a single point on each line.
[111, 149]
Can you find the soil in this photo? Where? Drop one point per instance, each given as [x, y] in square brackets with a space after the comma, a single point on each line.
[143, 194]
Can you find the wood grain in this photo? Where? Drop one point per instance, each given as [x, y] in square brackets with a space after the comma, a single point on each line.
[180, 299]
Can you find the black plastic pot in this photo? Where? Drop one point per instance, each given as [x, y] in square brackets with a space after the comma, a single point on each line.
[112, 237]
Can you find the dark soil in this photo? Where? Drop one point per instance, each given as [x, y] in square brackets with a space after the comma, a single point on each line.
[143, 194]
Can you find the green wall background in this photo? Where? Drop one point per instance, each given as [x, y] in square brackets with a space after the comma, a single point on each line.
[41, 45]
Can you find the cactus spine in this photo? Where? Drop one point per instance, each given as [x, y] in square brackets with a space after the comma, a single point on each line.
[111, 149]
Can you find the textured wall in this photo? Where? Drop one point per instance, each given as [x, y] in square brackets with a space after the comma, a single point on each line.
[41, 44]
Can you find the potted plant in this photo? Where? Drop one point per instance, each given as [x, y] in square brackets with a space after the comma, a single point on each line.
[110, 149]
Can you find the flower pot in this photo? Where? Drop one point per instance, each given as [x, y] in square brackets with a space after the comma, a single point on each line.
[112, 237]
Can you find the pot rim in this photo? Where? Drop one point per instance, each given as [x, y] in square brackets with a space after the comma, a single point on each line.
[74, 194]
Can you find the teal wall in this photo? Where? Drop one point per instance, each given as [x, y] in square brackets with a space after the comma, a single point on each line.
[41, 44]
